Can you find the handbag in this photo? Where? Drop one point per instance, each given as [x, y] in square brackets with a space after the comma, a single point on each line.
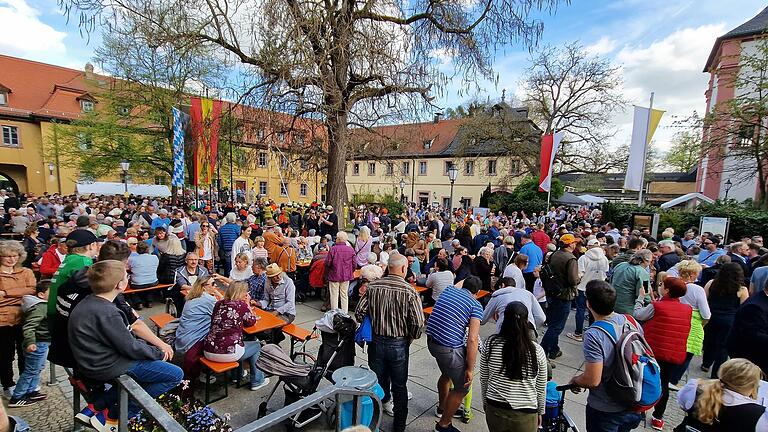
[364, 333]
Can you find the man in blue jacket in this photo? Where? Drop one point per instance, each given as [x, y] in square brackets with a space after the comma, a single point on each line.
[228, 233]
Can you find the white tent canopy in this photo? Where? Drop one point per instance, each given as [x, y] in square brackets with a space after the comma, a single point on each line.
[592, 199]
[112, 188]
[685, 198]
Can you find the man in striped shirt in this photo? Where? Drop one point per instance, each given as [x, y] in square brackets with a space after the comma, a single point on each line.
[395, 310]
[454, 312]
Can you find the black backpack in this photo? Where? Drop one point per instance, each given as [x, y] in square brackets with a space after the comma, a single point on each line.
[551, 283]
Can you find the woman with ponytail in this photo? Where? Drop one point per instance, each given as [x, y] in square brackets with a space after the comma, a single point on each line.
[725, 404]
[513, 375]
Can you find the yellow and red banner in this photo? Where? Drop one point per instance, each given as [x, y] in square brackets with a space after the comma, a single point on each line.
[206, 119]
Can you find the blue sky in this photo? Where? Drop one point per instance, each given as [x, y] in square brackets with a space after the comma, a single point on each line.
[661, 46]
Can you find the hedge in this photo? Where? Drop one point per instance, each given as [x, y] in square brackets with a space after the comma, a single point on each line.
[746, 220]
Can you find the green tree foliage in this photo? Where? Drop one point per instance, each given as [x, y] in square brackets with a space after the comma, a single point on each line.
[526, 197]
[685, 153]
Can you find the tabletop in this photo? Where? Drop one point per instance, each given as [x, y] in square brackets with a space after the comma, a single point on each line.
[266, 321]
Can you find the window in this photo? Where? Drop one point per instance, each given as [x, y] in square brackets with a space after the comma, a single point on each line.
[303, 189]
[283, 189]
[11, 136]
[86, 105]
[428, 144]
[300, 139]
[448, 165]
[446, 202]
[492, 167]
[3, 98]
[262, 188]
[281, 137]
[514, 167]
[406, 168]
[422, 168]
[160, 180]
[260, 134]
[469, 168]
[304, 163]
[284, 161]
[371, 168]
[746, 135]
[356, 168]
[390, 168]
[262, 159]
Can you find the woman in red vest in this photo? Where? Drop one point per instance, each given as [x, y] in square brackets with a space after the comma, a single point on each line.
[666, 324]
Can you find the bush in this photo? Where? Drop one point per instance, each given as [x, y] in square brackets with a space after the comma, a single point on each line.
[746, 220]
[526, 197]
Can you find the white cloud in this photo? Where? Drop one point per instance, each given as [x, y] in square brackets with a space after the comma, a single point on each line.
[24, 34]
[603, 46]
[672, 69]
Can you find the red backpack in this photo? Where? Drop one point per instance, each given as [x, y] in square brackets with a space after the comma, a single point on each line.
[317, 272]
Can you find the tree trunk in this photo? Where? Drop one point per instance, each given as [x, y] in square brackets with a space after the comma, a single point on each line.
[336, 194]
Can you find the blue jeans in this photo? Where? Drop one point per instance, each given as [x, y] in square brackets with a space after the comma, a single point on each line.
[581, 311]
[34, 362]
[154, 376]
[558, 315]
[388, 357]
[623, 421]
[252, 350]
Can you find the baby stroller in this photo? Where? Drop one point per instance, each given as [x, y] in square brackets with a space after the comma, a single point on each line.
[555, 418]
[301, 374]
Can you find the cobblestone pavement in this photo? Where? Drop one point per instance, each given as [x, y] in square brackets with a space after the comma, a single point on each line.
[55, 414]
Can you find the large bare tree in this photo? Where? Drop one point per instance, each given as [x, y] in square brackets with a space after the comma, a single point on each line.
[569, 90]
[342, 62]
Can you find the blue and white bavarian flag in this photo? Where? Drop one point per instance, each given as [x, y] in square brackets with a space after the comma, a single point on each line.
[180, 121]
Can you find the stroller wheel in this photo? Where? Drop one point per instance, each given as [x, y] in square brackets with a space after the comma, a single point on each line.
[262, 410]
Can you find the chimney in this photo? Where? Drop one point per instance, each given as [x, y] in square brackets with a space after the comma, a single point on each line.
[89, 70]
[437, 117]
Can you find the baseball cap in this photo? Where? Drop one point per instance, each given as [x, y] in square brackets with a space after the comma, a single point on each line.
[568, 239]
[593, 242]
[81, 238]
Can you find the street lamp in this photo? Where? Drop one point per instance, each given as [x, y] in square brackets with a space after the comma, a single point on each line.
[453, 172]
[728, 186]
[402, 186]
[124, 164]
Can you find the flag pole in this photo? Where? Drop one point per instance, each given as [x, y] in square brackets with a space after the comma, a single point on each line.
[645, 151]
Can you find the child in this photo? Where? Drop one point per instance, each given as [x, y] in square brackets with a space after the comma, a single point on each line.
[36, 342]
[104, 347]
[224, 342]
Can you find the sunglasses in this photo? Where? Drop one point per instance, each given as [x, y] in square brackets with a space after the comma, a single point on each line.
[205, 226]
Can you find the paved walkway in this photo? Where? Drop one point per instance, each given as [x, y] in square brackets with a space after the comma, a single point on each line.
[55, 414]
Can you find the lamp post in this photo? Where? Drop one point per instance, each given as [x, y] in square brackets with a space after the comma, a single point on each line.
[124, 164]
[728, 186]
[453, 172]
[402, 187]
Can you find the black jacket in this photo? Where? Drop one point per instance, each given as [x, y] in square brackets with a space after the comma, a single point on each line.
[166, 269]
[749, 336]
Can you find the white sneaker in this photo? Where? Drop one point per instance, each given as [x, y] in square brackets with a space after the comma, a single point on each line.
[389, 408]
[260, 386]
[410, 395]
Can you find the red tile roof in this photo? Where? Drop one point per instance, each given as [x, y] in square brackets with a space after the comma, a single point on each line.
[406, 139]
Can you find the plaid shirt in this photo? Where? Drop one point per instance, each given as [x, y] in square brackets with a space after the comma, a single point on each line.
[256, 286]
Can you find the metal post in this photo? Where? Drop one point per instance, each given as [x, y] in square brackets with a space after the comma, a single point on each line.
[450, 201]
[645, 152]
[231, 169]
[52, 378]
[56, 155]
[125, 181]
[122, 425]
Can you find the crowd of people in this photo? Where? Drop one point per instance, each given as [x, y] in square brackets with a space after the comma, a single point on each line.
[63, 298]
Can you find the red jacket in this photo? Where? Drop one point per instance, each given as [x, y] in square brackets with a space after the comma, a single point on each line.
[540, 239]
[50, 263]
[667, 332]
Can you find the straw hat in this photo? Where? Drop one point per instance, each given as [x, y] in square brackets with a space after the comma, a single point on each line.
[273, 270]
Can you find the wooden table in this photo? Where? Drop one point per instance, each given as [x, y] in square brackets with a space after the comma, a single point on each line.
[420, 289]
[480, 294]
[266, 321]
[303, 264]
[130, 290]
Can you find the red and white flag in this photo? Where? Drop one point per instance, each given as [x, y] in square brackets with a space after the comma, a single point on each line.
[549, 145]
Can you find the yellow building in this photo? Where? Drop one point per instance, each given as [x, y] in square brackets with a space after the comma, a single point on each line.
[36, 97]
[418, 156]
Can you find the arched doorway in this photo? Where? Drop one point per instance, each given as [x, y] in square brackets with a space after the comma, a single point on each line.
[8, 183]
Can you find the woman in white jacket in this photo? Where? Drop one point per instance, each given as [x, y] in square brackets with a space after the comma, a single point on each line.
[593, 265]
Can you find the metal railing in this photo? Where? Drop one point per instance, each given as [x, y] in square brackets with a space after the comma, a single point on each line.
[127, 387]
[330, 392]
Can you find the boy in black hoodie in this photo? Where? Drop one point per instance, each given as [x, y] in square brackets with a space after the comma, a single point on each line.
[104, 347]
